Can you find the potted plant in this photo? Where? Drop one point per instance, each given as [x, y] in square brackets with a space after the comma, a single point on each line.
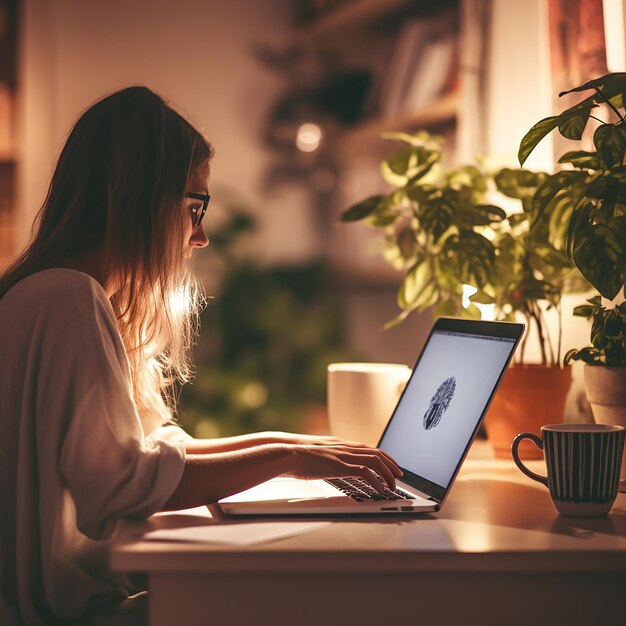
[586, 205]
[445, 235]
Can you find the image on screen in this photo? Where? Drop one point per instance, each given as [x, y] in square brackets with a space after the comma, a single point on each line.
[443, 402]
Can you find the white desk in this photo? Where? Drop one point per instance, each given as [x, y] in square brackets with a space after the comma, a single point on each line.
[498, 553]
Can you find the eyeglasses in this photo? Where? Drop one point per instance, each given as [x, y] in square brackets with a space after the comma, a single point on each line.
[197, 213]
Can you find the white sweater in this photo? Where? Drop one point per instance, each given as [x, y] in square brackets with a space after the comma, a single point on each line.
[74, 457]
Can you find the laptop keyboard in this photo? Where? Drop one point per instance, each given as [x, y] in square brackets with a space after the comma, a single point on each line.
[359, 490]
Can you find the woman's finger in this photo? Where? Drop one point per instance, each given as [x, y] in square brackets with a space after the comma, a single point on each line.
[379, 466]
[367, 474]
[386, 459]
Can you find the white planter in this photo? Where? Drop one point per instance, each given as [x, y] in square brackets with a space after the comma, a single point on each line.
[606, 392]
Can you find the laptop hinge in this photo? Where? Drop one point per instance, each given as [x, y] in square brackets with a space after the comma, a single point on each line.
[411, 489]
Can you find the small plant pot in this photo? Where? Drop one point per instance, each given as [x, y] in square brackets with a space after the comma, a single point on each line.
[605, 388]
[529, 397]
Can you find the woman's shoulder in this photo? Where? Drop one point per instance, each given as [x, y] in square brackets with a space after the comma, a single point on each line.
[60, 287]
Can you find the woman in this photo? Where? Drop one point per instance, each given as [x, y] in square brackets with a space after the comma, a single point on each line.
[96, 319]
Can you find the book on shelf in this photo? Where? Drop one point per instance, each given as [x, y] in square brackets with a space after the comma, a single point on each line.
[430, 78]
[422, 66]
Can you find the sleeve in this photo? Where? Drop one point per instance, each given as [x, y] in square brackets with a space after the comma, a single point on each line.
[170, 432]
[110, 468]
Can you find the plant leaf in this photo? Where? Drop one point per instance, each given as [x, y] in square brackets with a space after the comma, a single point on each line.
[362, 209]
[518, 184]
[582, 159]
[420, 138]
[572, 127]
[610, 85]
[544, 126]
[399, 161]
[445, 308]
[413, 284]
[436, 215]
[584, 310]
[471, 256]
[610, 141]
[559, 211]
[480, 297]
[597, 250]
[481, 215]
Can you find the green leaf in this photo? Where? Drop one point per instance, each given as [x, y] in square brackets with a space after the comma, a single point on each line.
[573, 127]
[445, 308]
[598, 250]
[471, 256]
[407, 244]
[610, 85]
[480, 297]
[544, 126]
[570, 355]
[399, 161]
[468, 176]
[437, 214]
[362, 209]
[396, 320]
[610, 141]
[582, 159]
[559, 211]
[413, 284]
[418, 139]
[583, 310]
[553, 185]
[386, 212]
[408, 165]
[516, 219]
[518, 184]
[535, 135]
[481, 215]
[471, 312]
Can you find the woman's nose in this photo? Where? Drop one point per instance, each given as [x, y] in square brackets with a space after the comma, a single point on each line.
[198, 237]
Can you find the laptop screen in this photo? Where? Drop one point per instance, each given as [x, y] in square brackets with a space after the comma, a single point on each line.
[444, 400]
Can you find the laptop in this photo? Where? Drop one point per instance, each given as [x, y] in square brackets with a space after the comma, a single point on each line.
[428, 434]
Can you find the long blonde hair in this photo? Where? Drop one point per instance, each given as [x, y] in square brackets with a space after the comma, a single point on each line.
[119, 187]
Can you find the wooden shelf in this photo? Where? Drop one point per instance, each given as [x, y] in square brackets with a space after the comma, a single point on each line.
[442, 111]
[348, 14]
[375, 279]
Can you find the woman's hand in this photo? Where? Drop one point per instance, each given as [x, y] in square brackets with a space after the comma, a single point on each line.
[342, 460]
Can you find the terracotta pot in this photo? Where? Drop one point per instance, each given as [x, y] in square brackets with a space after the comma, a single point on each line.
[605, 388]
[529, 397]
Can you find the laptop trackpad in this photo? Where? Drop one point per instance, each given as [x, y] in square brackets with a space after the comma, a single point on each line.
[284, 488]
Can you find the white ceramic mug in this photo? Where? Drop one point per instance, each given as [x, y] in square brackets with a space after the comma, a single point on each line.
[361, 398]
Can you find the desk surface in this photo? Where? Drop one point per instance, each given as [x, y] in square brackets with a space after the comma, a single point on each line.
[495, 519]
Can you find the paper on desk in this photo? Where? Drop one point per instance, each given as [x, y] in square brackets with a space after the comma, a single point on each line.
[242, 534]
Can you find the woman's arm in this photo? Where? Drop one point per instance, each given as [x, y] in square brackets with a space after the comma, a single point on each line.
[241, 442]
[209, 477]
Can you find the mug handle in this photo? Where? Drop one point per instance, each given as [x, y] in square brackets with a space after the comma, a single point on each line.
[539, 443]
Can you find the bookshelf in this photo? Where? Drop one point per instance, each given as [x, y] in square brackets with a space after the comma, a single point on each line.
[441, 112]
[411, 49]
[348, 14]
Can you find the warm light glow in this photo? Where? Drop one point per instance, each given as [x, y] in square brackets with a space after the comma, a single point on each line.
[614, 28]
[487, 311]
[308, 137]
[254, 395]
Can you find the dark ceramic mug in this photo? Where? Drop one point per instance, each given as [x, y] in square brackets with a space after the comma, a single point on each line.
[583, 463]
